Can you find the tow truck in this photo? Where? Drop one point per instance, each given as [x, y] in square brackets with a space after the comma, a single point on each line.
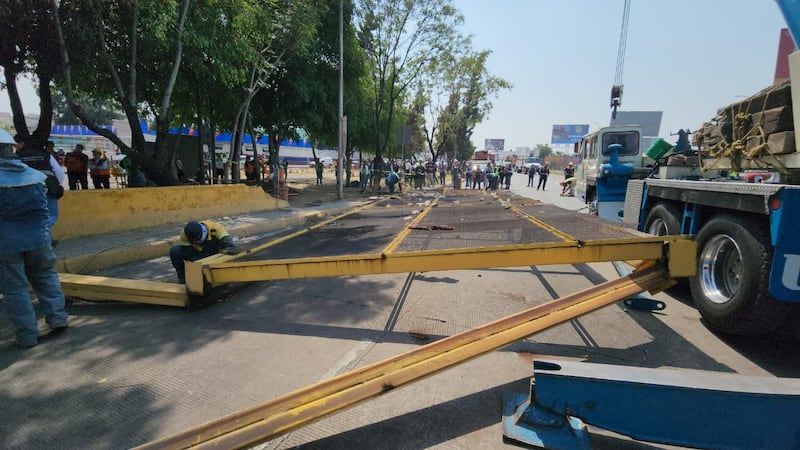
[737, 192]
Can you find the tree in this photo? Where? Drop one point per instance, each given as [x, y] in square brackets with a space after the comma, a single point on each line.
[26, 48]
[400, 38]
[456, 90]
[302, 92]
[114, 38]
[98, 111]
[543, 150]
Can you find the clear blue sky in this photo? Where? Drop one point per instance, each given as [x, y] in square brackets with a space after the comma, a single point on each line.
[686, 58]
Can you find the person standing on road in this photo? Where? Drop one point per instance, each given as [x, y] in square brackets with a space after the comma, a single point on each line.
[442, 171]
[77, 164]
[419, 175]
[99, 170]
[531, 174]
[26, 255]
[363, 177]
[544, 172]
[198, 240]
[320, 168]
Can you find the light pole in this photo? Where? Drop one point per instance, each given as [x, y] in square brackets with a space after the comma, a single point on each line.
[342, 123]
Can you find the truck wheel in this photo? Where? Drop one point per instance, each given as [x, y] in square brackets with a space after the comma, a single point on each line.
[731, 289]
[663, 220]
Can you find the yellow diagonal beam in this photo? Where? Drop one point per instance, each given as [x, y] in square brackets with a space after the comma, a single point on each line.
[268, 420]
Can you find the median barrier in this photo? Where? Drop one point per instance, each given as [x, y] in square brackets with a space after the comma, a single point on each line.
[84, 213]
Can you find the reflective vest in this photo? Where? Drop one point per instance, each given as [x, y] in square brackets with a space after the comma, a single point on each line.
[99, 167]
[76, 162]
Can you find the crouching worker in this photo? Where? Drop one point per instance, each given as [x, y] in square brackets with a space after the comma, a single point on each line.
[199, 240]
[391, 181]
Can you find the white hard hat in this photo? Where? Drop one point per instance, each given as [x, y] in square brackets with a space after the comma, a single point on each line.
[5, 137]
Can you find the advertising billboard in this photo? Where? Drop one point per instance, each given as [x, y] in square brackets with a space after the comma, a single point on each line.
[568, 134]
[494, 145]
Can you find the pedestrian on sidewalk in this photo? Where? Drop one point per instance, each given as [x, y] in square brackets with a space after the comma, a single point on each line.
[26, 256]
[197, 241]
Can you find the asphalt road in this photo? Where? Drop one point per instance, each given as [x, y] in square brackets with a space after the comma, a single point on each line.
[128, 374]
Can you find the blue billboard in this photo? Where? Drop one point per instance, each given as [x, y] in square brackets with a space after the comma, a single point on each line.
[568, 134]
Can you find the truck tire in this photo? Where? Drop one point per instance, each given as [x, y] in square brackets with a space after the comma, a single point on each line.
[731, 289]
[663, 220]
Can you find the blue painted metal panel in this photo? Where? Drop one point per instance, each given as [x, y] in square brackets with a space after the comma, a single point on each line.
[679, 407]
[791, 12]
[784, 222]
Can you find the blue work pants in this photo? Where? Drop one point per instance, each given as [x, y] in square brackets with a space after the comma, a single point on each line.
[180, 253]
[20, 271]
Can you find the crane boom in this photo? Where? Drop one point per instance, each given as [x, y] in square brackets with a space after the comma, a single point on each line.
[616, 88]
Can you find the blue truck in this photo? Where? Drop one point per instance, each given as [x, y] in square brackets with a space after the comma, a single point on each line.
[738, 191]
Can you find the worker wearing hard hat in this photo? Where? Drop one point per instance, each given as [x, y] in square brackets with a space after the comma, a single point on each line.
[100, 170]
[198, 240]
[26, 255]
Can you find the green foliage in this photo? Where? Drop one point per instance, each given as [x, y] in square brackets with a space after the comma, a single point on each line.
[99, 111]
[399, 38]
[543, 150]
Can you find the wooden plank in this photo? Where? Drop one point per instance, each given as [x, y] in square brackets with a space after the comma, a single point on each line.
[781, 143]
[774, 120]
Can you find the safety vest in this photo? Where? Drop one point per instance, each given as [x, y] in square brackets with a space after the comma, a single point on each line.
[76, 162]
[99, 167]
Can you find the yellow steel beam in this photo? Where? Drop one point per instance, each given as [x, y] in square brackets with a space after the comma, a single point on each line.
[646, 248]
[89, 287]
[268, 420]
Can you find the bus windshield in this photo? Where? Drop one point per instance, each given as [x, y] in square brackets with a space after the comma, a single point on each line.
[628, 139]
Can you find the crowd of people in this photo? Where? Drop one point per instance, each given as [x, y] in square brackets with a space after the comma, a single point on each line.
[484, 175]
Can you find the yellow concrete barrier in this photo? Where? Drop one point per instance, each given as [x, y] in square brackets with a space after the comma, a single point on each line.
[83, 213]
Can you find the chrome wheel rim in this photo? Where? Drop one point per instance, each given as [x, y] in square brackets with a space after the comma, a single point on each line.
[720, 269]
[658, 227]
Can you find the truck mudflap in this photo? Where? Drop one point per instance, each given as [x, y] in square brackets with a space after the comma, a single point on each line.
[784, 280]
